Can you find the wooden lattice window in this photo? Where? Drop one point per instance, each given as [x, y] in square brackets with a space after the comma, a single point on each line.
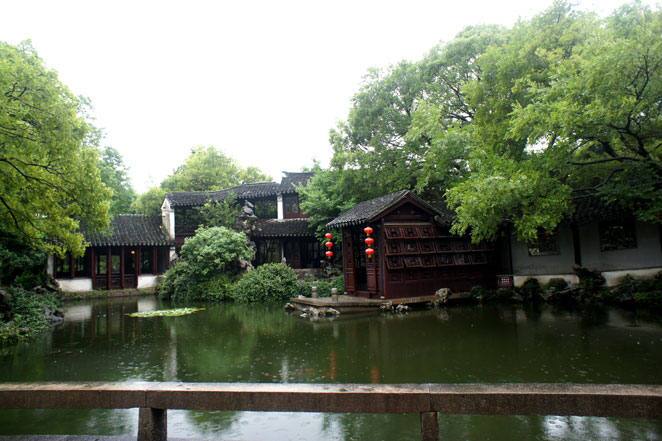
[546, 244]
[617, 235]
[393, 232]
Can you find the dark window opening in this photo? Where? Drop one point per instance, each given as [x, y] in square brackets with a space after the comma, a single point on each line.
[63, 267]
[291, 206]
[115, 261]
[617, 235]
[268, 251]
[163, 259]
[82, 265]
[129, 261]
[547, 244]
[146, 260]
[265, 208]
[102, 263]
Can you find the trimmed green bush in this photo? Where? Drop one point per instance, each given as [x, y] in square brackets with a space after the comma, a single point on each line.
[209, 263]
[271, 282]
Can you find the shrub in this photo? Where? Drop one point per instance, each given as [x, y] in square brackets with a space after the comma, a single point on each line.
[20, 265]
[31, 314]
[530, 290]
[590, 282]
[555, 285]
[650, 299]
[271, 282]
[478, 293]
[324, 286]
[209, 263]
[216, 250]
[643, 292]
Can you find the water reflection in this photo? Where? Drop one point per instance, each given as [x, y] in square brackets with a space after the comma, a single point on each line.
[98, 341]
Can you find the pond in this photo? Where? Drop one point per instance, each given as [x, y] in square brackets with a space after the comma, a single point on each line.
[235, 343]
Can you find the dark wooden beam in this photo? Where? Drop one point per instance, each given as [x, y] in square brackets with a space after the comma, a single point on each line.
[108, 267]
[122, 260]
[154, 260]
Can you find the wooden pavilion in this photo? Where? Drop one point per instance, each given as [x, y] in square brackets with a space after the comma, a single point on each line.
[415, 254]
[131, 254]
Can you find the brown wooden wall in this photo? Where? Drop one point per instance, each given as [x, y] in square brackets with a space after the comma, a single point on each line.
[414, 257]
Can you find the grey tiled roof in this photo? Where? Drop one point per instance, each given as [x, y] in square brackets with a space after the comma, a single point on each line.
[244, 191]
[368, 210]
[131, 229]
[591, 208]
[283, 228]
[292, 179]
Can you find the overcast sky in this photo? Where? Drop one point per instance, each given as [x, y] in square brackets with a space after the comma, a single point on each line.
[263, 81]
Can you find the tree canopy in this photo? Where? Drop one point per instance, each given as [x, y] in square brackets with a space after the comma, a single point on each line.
[49, 179]
[114, 174]
[567, 107]
[206, 169]
[511, 124]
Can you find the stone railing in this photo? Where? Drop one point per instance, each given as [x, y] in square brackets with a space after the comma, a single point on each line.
[153, 399]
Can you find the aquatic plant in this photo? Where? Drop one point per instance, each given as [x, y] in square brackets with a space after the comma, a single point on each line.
[177, 312]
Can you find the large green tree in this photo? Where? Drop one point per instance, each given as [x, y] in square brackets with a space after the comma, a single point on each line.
[49, 179]
[208, 168]
[114, 174]
[406, 129]
[569, 106]
[149, 203]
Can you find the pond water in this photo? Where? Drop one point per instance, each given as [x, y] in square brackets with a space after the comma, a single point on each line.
[236, 343]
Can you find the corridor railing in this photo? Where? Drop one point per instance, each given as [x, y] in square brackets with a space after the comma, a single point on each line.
[153, 400]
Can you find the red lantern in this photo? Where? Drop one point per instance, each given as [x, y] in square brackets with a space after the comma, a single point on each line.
[368, 231]
[329, 245]
[328, 236]
[369, 252]
[329, 254]
[369, 241]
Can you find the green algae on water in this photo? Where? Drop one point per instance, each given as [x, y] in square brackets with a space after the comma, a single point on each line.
[165, 312]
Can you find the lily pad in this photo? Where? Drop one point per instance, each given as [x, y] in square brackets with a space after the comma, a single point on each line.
[166, 312]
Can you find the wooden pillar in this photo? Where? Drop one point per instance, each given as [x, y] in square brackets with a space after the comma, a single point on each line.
[108, 267]
[93, 268]
[576, 244]
[429, 426]
[348, 261]
[122, 251]
[152, 424]
[72, 268]
[137, 262]
[371, 269]
[155, 257]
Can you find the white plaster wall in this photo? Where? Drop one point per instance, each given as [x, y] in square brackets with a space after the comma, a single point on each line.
[75, 285]
[279, 204]
[168, 218]
[614, 277]
[544, 266]
[647, 254]
[572, 279]
[147, 281]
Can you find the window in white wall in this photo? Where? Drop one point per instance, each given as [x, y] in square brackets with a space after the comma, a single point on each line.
[547, 244]
[617, 235]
